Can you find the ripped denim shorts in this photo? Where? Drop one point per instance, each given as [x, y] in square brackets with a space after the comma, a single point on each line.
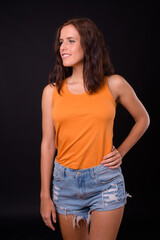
[78, 192]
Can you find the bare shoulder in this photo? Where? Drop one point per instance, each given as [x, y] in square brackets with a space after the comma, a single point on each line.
[116, 81]
[47, 93]
[48, 89]
[117, 84]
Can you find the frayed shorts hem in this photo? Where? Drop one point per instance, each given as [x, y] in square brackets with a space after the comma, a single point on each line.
[78, 216]
[63, 211]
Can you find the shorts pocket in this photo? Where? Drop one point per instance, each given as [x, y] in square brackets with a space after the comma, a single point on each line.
[57, 175]
[106, 176]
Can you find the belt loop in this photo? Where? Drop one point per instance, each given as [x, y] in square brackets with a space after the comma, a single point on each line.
[92, 173]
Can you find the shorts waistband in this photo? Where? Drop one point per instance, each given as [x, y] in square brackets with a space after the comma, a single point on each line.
[80, 171]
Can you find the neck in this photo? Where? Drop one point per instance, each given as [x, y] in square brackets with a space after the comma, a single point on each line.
[77, 74]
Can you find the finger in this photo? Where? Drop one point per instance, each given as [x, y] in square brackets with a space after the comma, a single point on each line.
[114, 167]
[54, 216]
[111, 154]
[49, 224]
[112, 159]
[115, 162]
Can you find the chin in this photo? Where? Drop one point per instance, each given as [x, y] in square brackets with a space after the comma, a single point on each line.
[65, 64]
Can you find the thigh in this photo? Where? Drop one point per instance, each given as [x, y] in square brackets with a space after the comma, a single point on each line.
[70, 233]
[105, 224]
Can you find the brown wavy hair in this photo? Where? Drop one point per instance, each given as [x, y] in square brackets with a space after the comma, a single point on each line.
[96, 62]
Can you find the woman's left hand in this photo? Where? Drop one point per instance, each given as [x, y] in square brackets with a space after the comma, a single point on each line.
[113, 159]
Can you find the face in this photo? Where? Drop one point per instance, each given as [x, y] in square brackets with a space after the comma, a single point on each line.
[70, 48]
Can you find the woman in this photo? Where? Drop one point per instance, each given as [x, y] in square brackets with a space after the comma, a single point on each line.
[78, 111]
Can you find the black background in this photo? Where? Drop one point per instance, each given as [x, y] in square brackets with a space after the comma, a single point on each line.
[27, 31]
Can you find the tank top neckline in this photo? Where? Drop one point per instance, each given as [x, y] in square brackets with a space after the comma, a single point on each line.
[73, 94]
[85, 93]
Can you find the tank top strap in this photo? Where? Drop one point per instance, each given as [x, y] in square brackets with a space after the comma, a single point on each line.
[54, 95]
[108, 91]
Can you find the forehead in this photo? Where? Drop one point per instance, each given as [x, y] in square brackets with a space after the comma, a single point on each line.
[69, 31]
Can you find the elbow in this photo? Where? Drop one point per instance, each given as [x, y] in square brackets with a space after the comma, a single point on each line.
[143, 121]
[48, 146]
[146, 121]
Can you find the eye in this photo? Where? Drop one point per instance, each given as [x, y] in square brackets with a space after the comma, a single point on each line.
[71, 41]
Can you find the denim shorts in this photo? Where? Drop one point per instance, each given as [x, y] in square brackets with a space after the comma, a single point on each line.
[78, 192]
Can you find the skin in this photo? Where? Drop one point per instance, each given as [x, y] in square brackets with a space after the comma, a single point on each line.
[107, 222]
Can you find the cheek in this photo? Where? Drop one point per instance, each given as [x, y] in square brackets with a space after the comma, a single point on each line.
[79, 52]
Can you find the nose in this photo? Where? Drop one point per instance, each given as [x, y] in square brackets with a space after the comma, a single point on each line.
[64, 46]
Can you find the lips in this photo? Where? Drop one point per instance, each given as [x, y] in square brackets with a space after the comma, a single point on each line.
[65, 55]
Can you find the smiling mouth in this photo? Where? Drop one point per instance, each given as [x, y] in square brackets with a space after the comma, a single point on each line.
[66, 56]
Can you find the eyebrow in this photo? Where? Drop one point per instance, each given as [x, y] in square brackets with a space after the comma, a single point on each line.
[67, 38]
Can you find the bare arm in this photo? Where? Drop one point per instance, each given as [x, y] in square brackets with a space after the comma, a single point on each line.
[125, 95]
[47, 157]
[130, 101]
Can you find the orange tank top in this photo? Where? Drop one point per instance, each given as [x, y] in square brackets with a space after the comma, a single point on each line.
[83, 125]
